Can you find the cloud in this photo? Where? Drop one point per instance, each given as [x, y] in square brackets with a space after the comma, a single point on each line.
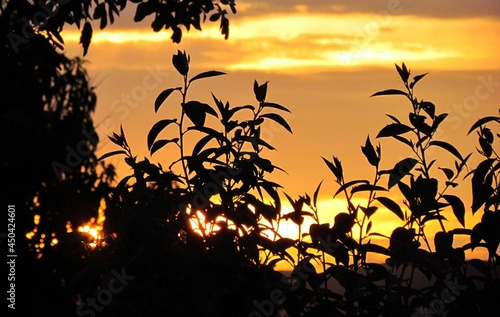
[305, 42]
[433, 9]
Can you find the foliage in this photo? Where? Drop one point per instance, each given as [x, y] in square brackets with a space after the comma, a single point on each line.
[48, 17]
[213, 215]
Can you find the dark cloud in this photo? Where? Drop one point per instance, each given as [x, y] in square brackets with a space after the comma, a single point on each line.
[424, 8]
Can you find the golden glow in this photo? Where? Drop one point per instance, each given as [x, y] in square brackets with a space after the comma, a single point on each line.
[309, 42]
[94, 228]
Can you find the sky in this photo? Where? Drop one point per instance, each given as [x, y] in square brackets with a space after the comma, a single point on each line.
[323, 60]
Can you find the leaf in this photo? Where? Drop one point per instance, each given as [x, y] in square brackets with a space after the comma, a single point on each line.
[429, 108]
[369, 211]
[393, 129]
[448, 172]
[370, 153]
[274, 105]
[400, 170]
[210, 73]
[156, 129]
[482, 121]
[418, 122]
[111, 154]
[163, 96]
[438, 120]
[260, 91]
[196, 112]
[448, 147]
[335, 167]
[143, 9]
[392, 206]
[393, 118]
[403, 72]
[161, 143]
[375, 248]
[214, 17]
[390, 92]
[458, 207]
[349, 184]
[366, 187]
[181, 62]
[86, 37]
[100, 12]
[416, 79]
[316, 192]
[279, 119]
[404, 140]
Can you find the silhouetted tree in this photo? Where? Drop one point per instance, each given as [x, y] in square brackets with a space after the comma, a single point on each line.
[48, 138]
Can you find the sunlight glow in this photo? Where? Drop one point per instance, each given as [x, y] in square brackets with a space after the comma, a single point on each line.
[308, 42]
[94, 228]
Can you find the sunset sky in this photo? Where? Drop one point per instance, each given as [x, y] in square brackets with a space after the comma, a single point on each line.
[323, 60]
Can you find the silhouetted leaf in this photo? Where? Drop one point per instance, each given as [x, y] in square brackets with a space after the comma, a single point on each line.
[181, 63]
[400, 170]
[403, 140]
[390, 92]
[393, 129]
[438, 120]
[392, 206]
[403, 72]
[418, 122]
[393, 118]
[156, 129]
[100, 13]
[232, 111]
[375, 248]
[448, 147]
[483, 121]
[176, 34]
[486, 147]
[207, 74]
[316, 192]
[349, 184]
[163, 96]
[369, 211]
[416, 79]
[429, 108]
[367, 187]
[448, 172]
[111, 154]
[161, 143]
[214, 17]
[86, 37]
[260, 91]
[274, 105]
[370, 153]
[196, 112]
[200, 144]
[279, 119]
[458, 207]
[143, 9]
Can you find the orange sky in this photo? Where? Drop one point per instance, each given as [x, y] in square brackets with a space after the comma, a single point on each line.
[323, 61]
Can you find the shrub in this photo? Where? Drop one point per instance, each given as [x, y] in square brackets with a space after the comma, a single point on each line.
[201, 237]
